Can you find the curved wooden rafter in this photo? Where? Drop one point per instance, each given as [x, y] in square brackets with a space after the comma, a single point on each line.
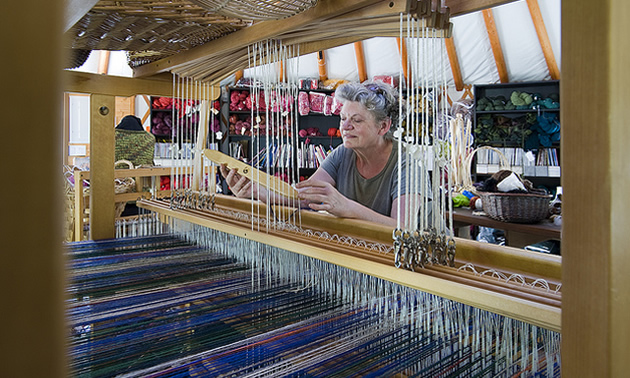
[543, 38]
[404, 59]
[360, 58]
[451, 52]
[495, 44]
[321, 65]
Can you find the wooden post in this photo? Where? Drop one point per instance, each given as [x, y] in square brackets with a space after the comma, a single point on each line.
[79, 208]
[65, 158]
[596, 180]
[31, 273]
[102, 167]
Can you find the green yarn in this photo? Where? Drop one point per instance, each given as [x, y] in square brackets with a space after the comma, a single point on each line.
[521, 100]
[460, 200]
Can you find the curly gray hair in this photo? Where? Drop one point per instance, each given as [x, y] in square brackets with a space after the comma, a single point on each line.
[379, 98]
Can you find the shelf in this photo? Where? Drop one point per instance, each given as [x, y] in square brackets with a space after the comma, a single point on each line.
[319, 115]
[256, 112]
[319, 121]
[517, 111]
[490, 130]
[513, 145]
[262, 136]
[322, 137]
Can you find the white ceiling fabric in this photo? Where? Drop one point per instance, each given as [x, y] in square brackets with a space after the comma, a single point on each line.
[520, 45]
[524, 57]
[521, 48]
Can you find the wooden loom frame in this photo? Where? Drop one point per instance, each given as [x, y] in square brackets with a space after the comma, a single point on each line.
[438, 280]
[80, 197]
[596, 332]
[442, 281]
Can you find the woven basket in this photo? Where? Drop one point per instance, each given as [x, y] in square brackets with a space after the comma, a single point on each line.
[516, 207]
[467, 179]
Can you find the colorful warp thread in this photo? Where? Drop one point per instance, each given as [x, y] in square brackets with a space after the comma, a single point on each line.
[164, 307]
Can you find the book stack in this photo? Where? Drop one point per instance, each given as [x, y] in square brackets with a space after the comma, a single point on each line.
[543, 162]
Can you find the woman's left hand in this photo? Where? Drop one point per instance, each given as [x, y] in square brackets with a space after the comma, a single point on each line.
[321, 195]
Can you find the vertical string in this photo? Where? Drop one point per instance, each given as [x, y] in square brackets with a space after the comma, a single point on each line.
[171, 153]
[399, 129]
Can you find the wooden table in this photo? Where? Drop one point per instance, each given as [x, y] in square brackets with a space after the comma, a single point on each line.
[516, 234]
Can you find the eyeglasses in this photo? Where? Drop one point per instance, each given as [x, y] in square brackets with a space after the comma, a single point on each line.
[375, 89]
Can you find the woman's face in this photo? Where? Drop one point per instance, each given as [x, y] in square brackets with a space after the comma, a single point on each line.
[358, 127]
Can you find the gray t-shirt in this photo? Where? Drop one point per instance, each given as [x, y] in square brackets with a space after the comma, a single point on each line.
[378, 192]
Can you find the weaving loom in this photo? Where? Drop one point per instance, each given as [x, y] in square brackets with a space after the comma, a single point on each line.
[244, 289]
[161, 306]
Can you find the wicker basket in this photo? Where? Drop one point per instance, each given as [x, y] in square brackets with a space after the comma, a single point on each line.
[467, 183]
[516, 207]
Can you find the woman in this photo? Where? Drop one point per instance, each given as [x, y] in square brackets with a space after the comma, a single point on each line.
[359, 179]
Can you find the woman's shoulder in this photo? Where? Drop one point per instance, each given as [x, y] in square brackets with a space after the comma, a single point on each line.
[340, 152]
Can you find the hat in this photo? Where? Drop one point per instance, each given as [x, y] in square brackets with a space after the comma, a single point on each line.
[130, 122]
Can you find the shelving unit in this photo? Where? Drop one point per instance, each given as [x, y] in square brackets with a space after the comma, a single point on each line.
[522, 120]
[184, 121]
[164, 122]
[313, 129]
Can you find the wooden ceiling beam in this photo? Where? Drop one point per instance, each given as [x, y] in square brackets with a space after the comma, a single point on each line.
[238, 75]
[543, 38]
[460, 7]
[404, 59]
[358, 51]
[81, 82]
[321, 65]
[257, 32]
[378, 10]
[103, 62]
[364, 31]
[451, 51]
[309, 47]
[495, 43]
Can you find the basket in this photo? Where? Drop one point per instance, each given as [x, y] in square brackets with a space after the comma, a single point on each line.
[516, 207]
[467, 183]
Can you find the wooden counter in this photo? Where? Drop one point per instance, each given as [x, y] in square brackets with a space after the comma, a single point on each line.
[516, 234]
